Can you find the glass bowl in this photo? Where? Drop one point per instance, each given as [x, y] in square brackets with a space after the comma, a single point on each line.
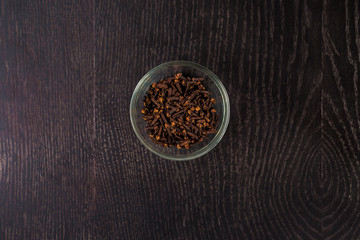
[212, 84]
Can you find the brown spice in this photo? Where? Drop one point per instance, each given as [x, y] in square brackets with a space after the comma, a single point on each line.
[179, 112]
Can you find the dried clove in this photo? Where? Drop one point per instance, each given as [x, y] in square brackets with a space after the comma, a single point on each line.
[179, 112]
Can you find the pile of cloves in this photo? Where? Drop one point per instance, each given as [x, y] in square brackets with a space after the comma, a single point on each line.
[179, 112]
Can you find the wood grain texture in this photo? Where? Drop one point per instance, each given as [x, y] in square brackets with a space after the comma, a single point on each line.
[341, 121]
[71, 166]
[46, 119]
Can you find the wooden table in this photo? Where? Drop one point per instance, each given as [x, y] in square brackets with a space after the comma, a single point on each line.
[71, 166]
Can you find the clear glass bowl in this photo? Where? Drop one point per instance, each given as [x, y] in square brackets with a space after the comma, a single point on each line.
[212, 84]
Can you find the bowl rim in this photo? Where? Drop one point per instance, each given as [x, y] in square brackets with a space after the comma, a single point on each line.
[226, 110]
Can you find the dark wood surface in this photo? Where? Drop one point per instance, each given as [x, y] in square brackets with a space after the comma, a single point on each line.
[71, 166]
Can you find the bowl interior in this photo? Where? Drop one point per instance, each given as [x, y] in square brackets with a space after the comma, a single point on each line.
[211, 83]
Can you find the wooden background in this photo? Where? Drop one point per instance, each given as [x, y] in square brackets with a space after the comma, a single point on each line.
[71, 166]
